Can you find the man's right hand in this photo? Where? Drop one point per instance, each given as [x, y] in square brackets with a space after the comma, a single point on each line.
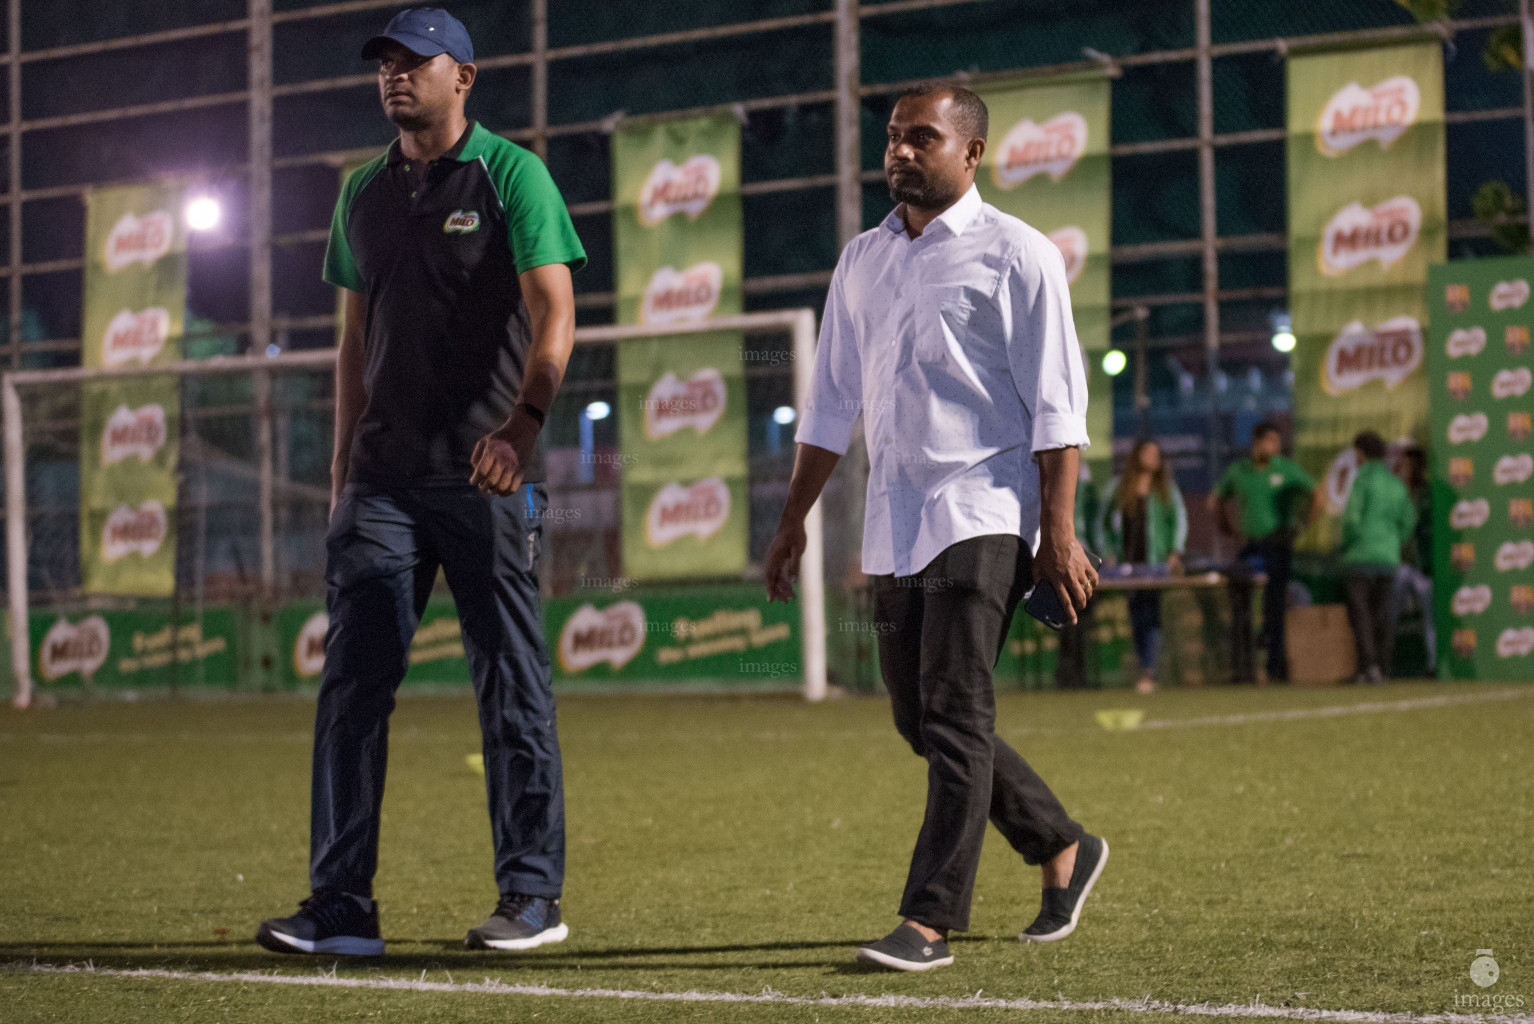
[782, 565]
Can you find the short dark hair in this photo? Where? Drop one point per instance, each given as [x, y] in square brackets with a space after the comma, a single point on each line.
[1369, 444]
[969, 111]
[1266, 427]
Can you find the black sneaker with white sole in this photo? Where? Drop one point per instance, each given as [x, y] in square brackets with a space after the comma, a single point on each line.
[327, 922]
[1062, 907]
[519, 922]
[906, 949]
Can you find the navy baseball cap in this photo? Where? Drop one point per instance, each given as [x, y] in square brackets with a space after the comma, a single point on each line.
[427, 31]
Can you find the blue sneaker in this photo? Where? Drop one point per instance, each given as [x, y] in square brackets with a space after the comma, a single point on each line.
[519, 922]
[327, 922]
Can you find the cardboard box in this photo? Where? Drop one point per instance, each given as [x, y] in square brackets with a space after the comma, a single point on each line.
[1319, 643]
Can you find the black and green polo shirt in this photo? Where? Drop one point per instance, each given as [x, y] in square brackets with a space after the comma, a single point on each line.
[436, 253]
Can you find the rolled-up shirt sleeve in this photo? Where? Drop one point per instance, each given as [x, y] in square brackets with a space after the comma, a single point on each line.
[1043, 351]
[836, 386]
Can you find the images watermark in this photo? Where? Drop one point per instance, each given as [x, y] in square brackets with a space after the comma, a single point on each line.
[1484, 974]
[772, 669]
[558, 513]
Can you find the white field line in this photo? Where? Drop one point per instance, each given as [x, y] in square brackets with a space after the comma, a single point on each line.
[1339, 710]
[495, 987]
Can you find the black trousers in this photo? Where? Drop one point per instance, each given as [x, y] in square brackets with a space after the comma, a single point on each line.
[1371, 598]
[383, 551]
[1276, 552]
[940, 633]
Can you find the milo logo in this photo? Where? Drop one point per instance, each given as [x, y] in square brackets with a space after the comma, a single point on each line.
[138, 240]
[1509, 294]
[74, 647]
[670, 189]
[1461, 471]
[1468, 513]
[309, 648]
[1468, 427]
[133, 529]
[673, 297]
[1072, 243]
[1354, 115]
[1514, 555]
[676, 512]
[133, 433]
[1466, 341]
[1050, 148]
[1388, 352]
[672, 404]
[1521, 597]
[1357, 234]
[1512, 383]
[135, 337]
[1513, 469]
[461, 222]
[1516, 643]
[1471, 600]
[1520, 511]
[614, 635]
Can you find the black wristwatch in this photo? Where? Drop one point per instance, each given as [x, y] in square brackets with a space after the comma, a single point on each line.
[532, 410]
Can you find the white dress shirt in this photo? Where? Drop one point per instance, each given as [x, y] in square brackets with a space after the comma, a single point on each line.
[959, 351]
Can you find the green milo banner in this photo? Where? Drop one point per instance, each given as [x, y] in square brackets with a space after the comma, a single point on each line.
[135, 305]
[682, 399]
[695, 637]
[1479, 370]
[1047, 164]
[119, 649]
[1367, 215]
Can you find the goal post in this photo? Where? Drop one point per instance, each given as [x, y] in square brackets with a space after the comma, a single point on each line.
[799, 324]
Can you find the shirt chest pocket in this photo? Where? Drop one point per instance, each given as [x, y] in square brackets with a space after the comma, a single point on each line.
[947, 318]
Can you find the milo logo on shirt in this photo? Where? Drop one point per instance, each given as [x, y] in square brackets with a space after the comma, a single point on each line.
[461, 221]
[1050, 148]
[1354, 114]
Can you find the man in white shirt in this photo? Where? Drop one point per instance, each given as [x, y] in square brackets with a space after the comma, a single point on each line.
[948, 328]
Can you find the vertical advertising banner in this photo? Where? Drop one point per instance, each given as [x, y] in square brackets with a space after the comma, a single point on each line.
[1367, 215]
[1480, 372]
[135, 305]
[681, 399]
[1047, 164]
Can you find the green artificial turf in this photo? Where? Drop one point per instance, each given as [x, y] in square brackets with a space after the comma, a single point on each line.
[1351, 862]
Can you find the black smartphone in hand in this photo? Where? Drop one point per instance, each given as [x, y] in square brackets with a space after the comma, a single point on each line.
[1043, 601]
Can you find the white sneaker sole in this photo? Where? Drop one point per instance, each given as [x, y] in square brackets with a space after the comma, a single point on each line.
[344, 945]
[558, 933]
[1086, 891]
[873, 956]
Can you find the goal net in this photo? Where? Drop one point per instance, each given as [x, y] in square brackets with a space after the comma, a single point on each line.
[245, 608]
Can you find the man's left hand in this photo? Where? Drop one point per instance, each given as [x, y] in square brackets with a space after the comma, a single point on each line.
[500, 456]
[1062, 563]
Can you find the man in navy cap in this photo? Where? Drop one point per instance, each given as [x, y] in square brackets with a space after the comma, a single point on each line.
[454, 252]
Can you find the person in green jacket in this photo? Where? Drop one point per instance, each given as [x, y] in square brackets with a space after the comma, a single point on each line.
[1378, 520]
[1142, 520]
